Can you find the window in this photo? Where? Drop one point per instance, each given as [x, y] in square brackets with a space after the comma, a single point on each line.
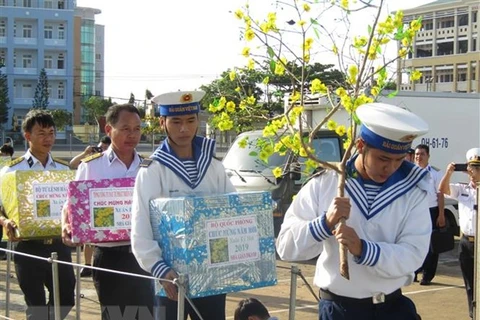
[463, 19]
[26, 90]
[462, 76]
[27, 61]
[49, 89]
[61, 4]
[61, 61]
[27, 3]
[2, 56]
[27, 31]
[48, 32]
[14, 29]
[2, 2]
[61, 91]
[14, 60]
[48, 4]
[3, 29]
[97, 93]
[98, 56]
[48, 62]
[61, 32]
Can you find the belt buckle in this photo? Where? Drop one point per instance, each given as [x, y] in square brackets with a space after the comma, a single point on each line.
[378, 298]
[48, 241]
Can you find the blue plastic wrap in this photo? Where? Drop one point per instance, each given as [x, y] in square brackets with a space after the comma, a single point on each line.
[222, 243]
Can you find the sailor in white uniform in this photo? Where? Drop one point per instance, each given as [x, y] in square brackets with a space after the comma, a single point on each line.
[388, 222]
[466, 195]
[182, 165]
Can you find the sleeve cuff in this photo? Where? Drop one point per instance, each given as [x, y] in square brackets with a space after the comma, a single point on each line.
[319, 229]
[370, 254]
[160, 269]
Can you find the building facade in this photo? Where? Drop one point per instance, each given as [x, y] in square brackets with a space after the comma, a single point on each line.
[446, 49]
[87, 47]
[36, 34]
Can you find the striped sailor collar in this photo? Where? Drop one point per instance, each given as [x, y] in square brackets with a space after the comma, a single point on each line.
[407, 176]
[203, 151]
[32, 160]
[112, 156]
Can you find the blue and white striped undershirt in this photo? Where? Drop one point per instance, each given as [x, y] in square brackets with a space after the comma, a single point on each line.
[371, 189]
[192, 171]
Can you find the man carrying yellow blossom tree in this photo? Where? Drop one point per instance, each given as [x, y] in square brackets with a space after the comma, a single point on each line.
[382, 237]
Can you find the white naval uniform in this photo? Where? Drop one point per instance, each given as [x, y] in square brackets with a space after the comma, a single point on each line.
[434, 177]
[395, 239]
[108, 166]
[29, 162]
[157, 181]
[466, 197]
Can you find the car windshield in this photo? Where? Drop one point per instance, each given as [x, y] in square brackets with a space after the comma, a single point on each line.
[246, 159]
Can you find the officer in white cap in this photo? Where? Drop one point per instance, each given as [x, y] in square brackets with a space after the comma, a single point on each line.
[182, 165]
[388, 227]
[466, 195]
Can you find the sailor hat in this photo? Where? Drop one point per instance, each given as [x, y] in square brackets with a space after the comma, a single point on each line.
[179, 103]
[473, 157]
[389, 128]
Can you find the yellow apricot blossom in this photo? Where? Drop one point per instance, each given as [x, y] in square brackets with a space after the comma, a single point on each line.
[415, 75]
[331, 125]
[317, 86]
[301, 23]
[277, 172]
[251, 100]
[249, 34]
[246, 52]
[232, 75]
[266, 80]
[230, 106]
[306, 7]
[239, 14]
[251, 64]
[243, 143]
[341, 130]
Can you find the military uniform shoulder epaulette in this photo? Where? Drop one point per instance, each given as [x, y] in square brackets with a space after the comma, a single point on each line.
[15, 162]
[92, 157]
[65, 163]
[146, 163]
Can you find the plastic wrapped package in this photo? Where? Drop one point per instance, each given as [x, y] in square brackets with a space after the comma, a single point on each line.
[223, 243]
[34, 201]
[100, 210]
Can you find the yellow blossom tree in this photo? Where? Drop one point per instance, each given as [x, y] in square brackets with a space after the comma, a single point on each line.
[302, 40]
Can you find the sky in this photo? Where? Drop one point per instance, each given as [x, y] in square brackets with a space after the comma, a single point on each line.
[165, 46]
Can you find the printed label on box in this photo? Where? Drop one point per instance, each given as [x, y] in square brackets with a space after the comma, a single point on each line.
[48, 200]
[107, 212]
[232, 240]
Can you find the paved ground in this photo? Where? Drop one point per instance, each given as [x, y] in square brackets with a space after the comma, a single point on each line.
[444, 299]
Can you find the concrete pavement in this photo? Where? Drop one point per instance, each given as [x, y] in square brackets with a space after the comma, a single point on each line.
[445, 299]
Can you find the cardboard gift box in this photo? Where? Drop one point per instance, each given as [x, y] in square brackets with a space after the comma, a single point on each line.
[100, 210]
[223, 243]
[34, 200]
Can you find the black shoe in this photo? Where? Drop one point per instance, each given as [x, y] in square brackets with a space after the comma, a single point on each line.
[415, 279]
[86, 272]
[425, 282]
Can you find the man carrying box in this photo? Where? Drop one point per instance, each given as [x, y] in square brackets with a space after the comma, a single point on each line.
[33, 274]
[117, 293]
[182, 165]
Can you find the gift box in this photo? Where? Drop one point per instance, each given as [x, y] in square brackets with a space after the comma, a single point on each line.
[34, 201]
[100, 210]
[223, 243]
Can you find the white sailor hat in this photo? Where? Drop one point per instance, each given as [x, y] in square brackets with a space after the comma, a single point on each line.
[389, 128]
[473, 156]
[179, 103]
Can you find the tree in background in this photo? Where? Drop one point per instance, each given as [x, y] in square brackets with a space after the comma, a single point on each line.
[132, 98]
[40, 99]
[96, 107]
[61, 118]
[291, 50]
[4, 99]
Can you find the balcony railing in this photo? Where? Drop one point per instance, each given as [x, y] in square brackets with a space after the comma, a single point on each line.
[55, 42]
[25, 71]
[28, 41]
[56, 72]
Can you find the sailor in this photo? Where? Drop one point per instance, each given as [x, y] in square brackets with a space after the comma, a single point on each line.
[388, 222]
[34, 275]
[466, 195]
[182, 165]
